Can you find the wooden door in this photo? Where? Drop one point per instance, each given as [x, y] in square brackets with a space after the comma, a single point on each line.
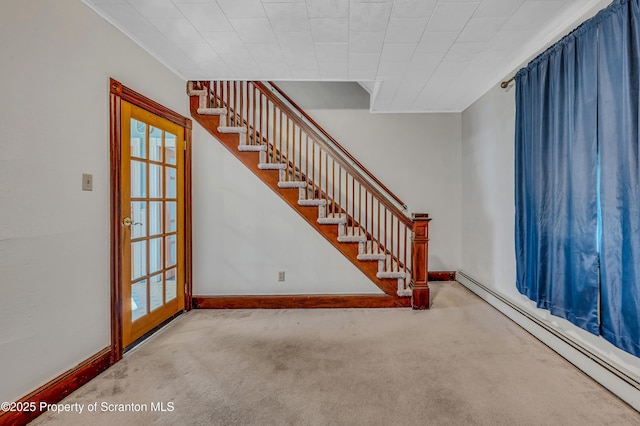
[152, 220]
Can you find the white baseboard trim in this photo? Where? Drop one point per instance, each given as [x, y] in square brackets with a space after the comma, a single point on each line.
[621, 383]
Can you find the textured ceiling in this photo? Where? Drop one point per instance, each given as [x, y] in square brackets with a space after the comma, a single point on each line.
[413, 55]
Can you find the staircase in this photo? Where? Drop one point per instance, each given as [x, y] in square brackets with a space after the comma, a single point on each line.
[317, 177]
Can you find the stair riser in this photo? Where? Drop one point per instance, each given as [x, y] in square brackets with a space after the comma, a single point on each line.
[252, 148]
[330, 221]
[222, 112]
[391, 276]
[312, 203]
[350, 239]
[271, 166]
[291, 184]
[369, 257]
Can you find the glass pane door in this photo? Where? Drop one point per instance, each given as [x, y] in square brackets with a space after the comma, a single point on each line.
[152, 210]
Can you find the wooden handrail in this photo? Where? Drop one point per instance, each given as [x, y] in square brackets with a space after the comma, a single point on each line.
[334, 142]
[338, 158]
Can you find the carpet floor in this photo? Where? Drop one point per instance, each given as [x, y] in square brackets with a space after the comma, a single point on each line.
[460, 363]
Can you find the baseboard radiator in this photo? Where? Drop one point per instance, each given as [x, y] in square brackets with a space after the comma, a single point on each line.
[576, 348]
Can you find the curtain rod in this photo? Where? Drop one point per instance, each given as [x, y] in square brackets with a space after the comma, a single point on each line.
[505, 84]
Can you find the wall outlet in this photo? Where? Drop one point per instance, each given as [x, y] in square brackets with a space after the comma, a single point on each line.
[281, 276]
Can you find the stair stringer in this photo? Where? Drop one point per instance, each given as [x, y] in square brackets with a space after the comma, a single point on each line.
[290, 196]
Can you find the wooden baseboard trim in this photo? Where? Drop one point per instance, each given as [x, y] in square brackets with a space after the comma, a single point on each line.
[57, 389]
[300, 301]
[442, 275]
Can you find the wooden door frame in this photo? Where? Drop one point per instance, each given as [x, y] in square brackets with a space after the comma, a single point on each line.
[119, 93]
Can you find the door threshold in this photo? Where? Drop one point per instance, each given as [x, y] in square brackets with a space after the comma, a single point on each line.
[142, 339]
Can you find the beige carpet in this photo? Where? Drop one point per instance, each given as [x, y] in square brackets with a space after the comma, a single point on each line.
[461, 363]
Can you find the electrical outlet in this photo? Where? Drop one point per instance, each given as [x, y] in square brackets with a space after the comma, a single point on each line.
[87, 182]
[281, 276]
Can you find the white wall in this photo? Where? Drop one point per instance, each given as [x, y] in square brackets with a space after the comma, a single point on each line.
[415, 156]
[244, 234]
[488, 217]
[326, 94]
[487, 190]
[56, 58]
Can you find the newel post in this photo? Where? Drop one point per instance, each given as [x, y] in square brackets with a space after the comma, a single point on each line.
[419, 261]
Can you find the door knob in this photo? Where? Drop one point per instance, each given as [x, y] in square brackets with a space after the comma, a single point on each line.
[128, 222]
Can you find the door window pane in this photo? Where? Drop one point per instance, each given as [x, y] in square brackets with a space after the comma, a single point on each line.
[138, 300]
[155, 292]
[171, 250]
[171, 182]
[139, 218]
[155, 144]
[155, 255]
[171, 217]
[138, 139]
[155, 217]
[169, 148]
[155, 181]
[170, 287]
[138, 179]
[138, 259]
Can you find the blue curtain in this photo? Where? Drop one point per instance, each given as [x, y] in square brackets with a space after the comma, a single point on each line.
[556, 195]
[578, 177]
[618, 138]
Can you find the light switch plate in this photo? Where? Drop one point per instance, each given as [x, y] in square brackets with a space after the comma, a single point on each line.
[87, 182]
